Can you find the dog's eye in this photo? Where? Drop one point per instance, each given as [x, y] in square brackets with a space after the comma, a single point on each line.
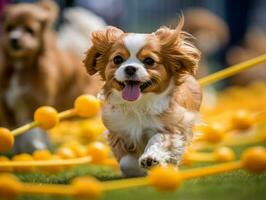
[148, 61]
[29, 30]
[9, 28]
[118, 60]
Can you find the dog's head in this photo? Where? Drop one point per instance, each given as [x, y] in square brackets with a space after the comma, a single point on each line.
[24, 27]
[135, 64]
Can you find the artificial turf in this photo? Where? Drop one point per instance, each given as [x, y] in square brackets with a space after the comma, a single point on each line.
[237, 185]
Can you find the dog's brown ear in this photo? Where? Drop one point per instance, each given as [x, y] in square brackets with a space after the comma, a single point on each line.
[178, 50]
[101, 43]
[51, 8]
[4, 14]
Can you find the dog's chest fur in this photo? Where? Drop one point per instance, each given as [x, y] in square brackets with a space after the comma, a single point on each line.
[15, 90]
[24, 88]
[132, 120]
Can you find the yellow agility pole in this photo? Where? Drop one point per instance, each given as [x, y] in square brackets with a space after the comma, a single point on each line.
[25, 128]
[45, 163]
[210, 79]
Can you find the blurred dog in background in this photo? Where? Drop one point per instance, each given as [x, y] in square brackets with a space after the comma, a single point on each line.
[253, 45]
[34, 72]
[211, 33]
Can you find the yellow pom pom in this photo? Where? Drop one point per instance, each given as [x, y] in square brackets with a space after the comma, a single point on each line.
[254, 159]
[242, 119]
[46, 116]
[5, 169]
[78, 149]
[6, 140]
[164, 178]
[42, 155]
[98, 151]
[186, 159]
[91, 130]
[88, 187]
[10, 186]
[65, 153]
[23, 158]
[87, 106]
[214, 133]
[224, 154]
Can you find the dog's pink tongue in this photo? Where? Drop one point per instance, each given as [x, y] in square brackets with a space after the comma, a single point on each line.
[131, 92]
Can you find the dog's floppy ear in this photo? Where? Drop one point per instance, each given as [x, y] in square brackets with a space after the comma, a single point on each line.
[51, 8]
[178, 50]
[4, 14]
[101, 43]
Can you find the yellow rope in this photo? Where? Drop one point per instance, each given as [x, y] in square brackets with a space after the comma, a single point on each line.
[48, 189]
[24, 128]
[45, 163]
[203, 157]
[237, 141]
[231, 70]
[66, 114]
[125, 183]
[211, 170]
[62, 115]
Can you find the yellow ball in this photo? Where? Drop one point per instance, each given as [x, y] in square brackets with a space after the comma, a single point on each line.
[78, 149]
[42, 155]
[164, 178]
[254, 159]
[6, 140]
[224, 154]
[186, 160]
[65, 153]
[98, 151]
[87, 106]
[46, 116]
[5, 169]
[23, 158]
[214, 133]
[10, 186]
[242, 120]
[88, 187]
[91, 130]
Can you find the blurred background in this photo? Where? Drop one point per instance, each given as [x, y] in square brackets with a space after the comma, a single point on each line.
[227, 31]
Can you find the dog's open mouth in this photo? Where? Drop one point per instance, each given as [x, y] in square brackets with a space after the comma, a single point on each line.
[132, 89]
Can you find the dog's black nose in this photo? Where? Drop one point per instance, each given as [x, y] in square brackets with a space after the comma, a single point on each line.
[15, 43]
[130, 70]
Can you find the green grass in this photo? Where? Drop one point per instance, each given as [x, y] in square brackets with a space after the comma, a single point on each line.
[237, 185]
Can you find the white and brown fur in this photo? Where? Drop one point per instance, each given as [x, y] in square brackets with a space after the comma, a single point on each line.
[155, 128]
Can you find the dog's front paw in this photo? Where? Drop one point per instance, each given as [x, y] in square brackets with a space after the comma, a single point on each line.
[148, 161]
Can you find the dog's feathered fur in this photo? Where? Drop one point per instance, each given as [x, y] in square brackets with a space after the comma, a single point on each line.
[155, 128]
